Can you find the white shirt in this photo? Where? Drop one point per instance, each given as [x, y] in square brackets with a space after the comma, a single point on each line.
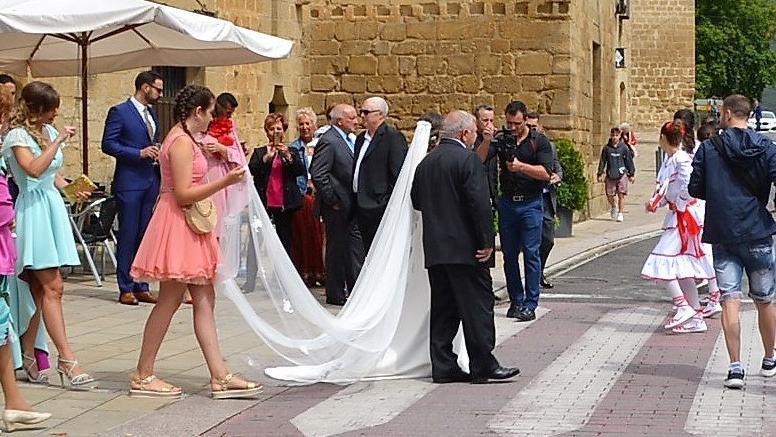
[143, 110]
[361, 153]
[460, 142]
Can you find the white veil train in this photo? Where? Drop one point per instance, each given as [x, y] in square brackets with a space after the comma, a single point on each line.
[381, 332]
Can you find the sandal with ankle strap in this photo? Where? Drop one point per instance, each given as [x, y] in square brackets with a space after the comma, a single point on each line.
[43, 375]
[250, 390]
[138, 388]
[82, 381]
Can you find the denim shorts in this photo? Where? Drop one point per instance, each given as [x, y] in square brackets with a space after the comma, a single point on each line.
[756, 258]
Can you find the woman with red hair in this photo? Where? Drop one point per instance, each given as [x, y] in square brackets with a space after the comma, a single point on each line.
[679, 258]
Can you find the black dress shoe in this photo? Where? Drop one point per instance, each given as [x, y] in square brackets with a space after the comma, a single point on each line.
[512, 312]
[498, 373]
[337, 302]
[526, 315]
[458, 377]
[545, 283]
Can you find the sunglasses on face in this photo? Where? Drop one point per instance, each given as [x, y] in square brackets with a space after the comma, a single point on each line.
[365, 112]
[158, 89]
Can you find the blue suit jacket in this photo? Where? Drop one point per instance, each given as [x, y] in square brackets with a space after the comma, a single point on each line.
[124, 137]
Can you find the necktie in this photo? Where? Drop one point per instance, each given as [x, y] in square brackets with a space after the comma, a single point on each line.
[149, 124]
[350, 143]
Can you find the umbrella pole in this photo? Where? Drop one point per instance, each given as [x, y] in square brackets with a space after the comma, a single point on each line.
[84, 111]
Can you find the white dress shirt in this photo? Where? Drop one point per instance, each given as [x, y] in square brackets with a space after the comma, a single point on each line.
[361, 153]
[144, 110]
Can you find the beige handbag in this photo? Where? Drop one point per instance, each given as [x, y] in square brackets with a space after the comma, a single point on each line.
[201, 216]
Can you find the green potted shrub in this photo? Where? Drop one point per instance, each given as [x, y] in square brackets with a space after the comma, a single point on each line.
[572, 191]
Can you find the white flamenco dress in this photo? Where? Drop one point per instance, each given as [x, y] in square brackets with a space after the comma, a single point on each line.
[679, 254]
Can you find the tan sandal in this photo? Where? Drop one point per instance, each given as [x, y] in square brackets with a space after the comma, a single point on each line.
[250, 390]
[138, 388]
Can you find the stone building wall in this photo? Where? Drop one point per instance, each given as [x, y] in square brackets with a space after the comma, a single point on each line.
[439, 55]
[594, 86]
[662, 60]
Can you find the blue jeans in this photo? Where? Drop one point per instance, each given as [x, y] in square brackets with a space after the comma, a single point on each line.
[520, 228]
[757, 258]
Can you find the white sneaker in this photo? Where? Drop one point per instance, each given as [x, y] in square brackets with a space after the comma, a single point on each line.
[613, 213]
[696, 324]
[711, 309]
[620, 217]
[683, 314]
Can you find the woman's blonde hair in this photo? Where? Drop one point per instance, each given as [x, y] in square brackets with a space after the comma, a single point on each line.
[6, 104]
[37, 98]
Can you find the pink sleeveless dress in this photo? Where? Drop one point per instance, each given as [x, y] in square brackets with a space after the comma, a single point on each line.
[170, 250]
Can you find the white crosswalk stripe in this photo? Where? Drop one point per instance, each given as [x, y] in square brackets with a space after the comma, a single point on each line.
[366, 404]
[564, 395]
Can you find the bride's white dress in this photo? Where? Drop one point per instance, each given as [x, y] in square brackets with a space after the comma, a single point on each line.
[381, 332]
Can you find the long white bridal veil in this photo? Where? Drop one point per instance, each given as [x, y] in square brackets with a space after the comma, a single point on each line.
[381, 332]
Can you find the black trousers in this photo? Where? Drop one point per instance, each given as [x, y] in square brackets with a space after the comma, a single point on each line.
[548, 232]
[367, 225]
[461, 293]
[344, 254]
[283, 219]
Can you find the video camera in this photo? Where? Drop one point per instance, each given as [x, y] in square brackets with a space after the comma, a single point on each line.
[505, 143]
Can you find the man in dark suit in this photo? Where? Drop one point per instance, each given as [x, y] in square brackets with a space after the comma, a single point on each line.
[379, 155]
[451, 191]
[132, 137]
[332, 172]
[550, 199]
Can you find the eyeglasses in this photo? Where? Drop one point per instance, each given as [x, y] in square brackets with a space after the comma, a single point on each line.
[160, 90]
[365, 112]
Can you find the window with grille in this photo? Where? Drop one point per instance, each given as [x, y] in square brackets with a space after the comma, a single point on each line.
[174, 79]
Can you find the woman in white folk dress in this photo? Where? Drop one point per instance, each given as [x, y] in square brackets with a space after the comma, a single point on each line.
[679, 258]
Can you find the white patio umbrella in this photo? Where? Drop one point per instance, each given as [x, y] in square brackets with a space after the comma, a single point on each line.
[81, 37]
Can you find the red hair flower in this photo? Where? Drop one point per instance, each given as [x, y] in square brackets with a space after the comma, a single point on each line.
[221, 129]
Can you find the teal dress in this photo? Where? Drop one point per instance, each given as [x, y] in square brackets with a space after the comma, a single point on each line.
[44, 238]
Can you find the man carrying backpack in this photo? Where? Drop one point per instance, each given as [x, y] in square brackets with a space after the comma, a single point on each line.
[733, 172]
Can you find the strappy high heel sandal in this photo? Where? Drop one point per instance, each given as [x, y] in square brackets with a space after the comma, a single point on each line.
[138, 387]
[250, 390]
[82, 381]
[30, 364]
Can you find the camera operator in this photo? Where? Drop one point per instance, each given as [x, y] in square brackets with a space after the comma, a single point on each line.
[525, 159]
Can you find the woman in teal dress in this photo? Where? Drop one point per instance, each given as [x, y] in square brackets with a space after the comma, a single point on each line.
[44, 239]
[18, 412]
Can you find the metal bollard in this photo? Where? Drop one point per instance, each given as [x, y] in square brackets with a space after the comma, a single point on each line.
[658, 160]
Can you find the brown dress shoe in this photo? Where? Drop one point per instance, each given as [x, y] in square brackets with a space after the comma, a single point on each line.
[127, 299]
[144, 296]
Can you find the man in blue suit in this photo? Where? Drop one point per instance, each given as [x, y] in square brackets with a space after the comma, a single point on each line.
[132, 137]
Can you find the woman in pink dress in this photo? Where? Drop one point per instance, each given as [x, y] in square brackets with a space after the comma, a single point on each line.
[180, 259]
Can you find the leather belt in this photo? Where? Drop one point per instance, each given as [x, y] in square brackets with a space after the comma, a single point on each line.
[520, 197]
